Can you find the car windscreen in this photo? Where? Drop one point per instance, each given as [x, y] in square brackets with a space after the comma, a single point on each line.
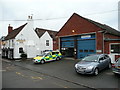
[53, 53]
[92, 58]
[43, 54]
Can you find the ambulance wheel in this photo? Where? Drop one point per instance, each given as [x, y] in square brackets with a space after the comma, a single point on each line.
[57, 58]
[42, 61]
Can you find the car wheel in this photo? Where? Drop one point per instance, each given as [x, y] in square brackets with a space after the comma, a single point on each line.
[109, 66]
[96, 72]
[57, 58]
[42, 61]
[76, 71]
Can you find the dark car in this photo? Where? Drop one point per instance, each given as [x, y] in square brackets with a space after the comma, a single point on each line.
[93, 64]
[116, 66]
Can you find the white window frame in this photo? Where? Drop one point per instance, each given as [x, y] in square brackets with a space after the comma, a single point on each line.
[110, 48]
[47, 42]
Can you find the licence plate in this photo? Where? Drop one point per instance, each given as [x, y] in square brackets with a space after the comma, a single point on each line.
[81, 70]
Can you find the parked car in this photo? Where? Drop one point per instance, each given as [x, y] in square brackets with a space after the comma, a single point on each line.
[116, 66]
[92, 64]
[47, 56]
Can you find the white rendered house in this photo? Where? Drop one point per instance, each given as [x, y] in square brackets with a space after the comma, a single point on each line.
[26, 39]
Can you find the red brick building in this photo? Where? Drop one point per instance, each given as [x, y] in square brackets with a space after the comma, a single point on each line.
[81, 36]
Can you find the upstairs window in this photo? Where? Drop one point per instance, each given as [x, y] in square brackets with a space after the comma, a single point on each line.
[47, 42]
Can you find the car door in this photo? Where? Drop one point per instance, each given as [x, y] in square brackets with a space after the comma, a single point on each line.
[107, 60]
[102, 62]
[48, 57]
[54, 55]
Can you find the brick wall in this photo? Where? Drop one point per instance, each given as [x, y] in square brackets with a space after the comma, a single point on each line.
[56, 44]
[79, 25]
[99, 42]
[107, 43]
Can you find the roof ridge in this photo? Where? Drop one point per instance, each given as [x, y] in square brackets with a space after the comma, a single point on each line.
[20, 26]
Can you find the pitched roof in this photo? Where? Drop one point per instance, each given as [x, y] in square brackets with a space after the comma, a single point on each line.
[105, 27]
[41, 31]
[15, 32]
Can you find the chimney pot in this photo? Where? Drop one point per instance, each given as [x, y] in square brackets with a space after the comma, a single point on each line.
[28, 17]
[31, 17]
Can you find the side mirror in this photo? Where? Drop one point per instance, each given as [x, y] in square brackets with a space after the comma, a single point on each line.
[46, 55]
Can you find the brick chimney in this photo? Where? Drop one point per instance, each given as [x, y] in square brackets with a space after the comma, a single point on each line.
[10, 28]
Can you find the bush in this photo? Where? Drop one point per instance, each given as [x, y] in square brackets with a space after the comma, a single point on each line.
[23, 55]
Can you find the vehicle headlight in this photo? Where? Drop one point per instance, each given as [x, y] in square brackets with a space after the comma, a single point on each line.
[76, 65]
[35, 59]
[90, 67]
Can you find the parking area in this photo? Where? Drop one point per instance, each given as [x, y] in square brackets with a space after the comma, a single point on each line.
[64, 70]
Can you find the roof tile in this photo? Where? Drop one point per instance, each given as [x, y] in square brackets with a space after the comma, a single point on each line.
[15, 32]
[41, 31]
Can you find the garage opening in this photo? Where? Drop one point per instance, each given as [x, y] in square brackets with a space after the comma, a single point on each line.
[67, 52]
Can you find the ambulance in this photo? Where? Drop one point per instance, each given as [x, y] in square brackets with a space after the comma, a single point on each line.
[47, 56]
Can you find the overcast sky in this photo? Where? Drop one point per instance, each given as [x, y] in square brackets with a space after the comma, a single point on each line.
[53, 14]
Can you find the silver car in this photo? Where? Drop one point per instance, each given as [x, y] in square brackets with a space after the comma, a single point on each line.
[116, 67]
[92, 64]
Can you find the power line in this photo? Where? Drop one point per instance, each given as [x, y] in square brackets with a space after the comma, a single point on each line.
[102, 12]
[51, 18]
[66, 17]
[37, 19]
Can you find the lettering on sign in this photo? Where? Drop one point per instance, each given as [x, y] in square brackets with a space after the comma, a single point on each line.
[20, 40]
[86, 36]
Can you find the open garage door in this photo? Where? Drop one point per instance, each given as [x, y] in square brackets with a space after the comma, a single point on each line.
[67, 46]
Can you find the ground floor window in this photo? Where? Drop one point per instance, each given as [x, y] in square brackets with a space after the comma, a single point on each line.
[20, 50]
[115, 48]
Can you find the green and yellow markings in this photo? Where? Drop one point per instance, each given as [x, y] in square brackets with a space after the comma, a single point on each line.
[60, 85]
[18, 73]
[32, 77]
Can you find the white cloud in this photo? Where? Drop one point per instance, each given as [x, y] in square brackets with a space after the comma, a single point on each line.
[45, 9]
